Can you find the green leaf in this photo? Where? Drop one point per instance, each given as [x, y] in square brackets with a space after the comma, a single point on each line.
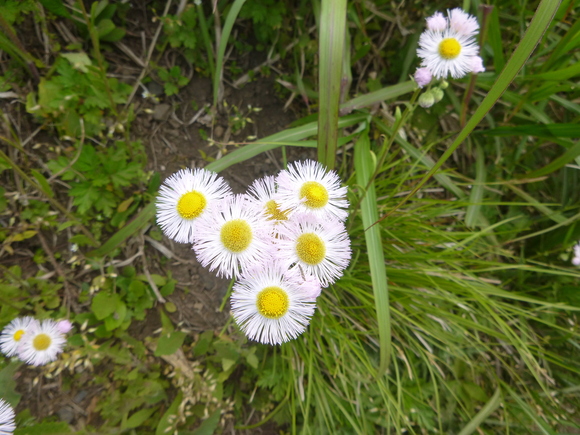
[43, 183]
[164, 426]
[104, 304]
[538, 130]
[56, 7]
[169, 343]
[138, 418]
[209, 425]
[364, 169]
[79, 60]
[485, 412]
[8, 384]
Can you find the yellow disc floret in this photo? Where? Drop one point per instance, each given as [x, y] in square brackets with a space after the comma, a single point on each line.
[310, 248]
[274, 213]
[18, 334]
[273, 302]
[236, 235]
[41, 342]
[449, 48]
[314, 193]
[191, 205]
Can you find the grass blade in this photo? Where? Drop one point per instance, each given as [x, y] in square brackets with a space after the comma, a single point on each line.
[485, 412]
[219, 67]
[368, 206]
[331, 50]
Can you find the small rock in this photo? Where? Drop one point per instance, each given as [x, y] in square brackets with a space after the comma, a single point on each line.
[218, 132]
[66, 414]
[161, 112]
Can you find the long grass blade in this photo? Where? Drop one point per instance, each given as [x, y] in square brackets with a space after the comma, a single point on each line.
[331, 50]
[219, 66]
[485, 412]
[368, 206]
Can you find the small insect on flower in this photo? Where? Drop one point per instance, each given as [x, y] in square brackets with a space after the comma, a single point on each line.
[262, 192]
[7, 415]
[12, 334]
[309, 187]
[184, 198]
[42, 343]
[234, 236]
[450, 49]
[269, 306]
[321, 248]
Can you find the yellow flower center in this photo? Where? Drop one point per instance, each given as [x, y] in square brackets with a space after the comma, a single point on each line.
[310, 248]
[315, 193]
[274, 212]
[41, 342]
[273, 302]
[449, 48]
[18, 334]
[191, 205]
[236, 235]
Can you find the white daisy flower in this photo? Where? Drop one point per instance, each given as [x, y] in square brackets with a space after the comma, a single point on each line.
[234, 236]
[12, 335]
[450, 49]
[7, 415]
[262, 192]
[447, 52]
[309, 187]
[42, 343]
[319, 248]
[184, 198]
[269, 307]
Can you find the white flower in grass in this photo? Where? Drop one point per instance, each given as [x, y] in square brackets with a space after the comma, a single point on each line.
[309, 187]
[13, 333]
[262, 192]
[450, 51]
[269, 306]
[7, 415]
[184, 198]
[320, 248]
[234, 236]
[42, 343]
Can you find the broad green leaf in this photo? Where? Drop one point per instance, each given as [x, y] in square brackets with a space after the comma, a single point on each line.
[43, 182]
[138, 418]
[169, 343]
[209, 425]
[104, 304]
[164, 426]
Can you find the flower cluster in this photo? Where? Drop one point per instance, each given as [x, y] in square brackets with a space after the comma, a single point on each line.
[34, 342]
[283, 240]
